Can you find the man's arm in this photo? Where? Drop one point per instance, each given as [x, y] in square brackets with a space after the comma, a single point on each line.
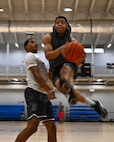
[48, 49]
[41, 82]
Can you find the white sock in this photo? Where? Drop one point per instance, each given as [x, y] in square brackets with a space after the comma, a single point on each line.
[89, 101]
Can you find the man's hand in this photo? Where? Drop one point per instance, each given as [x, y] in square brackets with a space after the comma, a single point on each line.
[51, 95]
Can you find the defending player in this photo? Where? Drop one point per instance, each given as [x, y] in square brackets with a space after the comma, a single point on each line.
[38, 94]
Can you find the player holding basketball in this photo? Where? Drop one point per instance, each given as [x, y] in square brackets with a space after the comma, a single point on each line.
[38, 94]
[64, 72]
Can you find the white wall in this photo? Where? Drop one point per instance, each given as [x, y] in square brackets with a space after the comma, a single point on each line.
[12, 96]
[16, 56]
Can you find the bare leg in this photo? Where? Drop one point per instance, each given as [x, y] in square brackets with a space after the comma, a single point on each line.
[29, 130]
[51, 129]
[68, 75]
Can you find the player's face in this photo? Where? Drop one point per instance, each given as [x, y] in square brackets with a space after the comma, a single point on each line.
[61, 26]
[32, 46]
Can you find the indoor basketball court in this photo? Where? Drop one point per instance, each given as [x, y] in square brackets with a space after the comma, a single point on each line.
[92, 24]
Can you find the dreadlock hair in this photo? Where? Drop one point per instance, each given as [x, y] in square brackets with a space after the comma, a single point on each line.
[68, 31]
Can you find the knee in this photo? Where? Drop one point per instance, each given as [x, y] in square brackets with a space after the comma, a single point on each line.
[32, 129]
[66, 71]
[52, 130]
[51, 127]
[54, 127]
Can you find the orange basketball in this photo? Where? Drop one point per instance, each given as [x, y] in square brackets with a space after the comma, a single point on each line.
[74, 52]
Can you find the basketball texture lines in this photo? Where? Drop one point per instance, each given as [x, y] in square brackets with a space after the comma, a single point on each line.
[73, 51]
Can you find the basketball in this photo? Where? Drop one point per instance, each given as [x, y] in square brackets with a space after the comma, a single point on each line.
[74, 52]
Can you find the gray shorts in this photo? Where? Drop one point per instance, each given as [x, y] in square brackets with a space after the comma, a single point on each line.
[38, 105]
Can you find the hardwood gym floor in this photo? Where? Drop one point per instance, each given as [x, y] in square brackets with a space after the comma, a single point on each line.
[66, 132]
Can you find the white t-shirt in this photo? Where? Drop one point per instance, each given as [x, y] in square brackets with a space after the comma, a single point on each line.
[32, 59]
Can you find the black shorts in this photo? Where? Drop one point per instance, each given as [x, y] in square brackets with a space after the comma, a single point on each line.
[38, 105]
[56, 71]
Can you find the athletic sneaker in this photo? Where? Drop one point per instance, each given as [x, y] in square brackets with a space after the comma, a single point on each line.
[99, 108]
[72, 98]
[69, 89]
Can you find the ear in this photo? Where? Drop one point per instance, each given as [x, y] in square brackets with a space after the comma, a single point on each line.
[53, 27]
[26, 47]
[66, 26]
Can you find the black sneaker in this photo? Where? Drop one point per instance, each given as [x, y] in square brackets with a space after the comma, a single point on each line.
[69, 89]
[72, 98]
[99, 108]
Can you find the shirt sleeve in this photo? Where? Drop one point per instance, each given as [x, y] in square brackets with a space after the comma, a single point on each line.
[30, 60]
